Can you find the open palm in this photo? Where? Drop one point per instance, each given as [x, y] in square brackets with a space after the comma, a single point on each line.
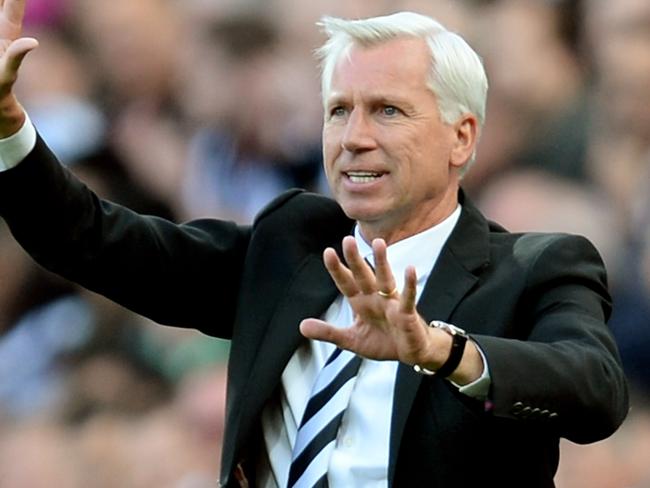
[387, 324]
[13, 49]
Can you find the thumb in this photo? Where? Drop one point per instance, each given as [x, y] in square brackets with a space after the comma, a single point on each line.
[16, 52]
[322, 331]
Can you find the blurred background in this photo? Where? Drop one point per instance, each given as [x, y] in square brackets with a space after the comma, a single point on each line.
[192, 108]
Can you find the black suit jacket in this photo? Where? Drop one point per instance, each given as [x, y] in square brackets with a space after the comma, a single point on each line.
[535, 303]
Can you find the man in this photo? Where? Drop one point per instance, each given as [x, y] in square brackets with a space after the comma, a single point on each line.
[427, 405]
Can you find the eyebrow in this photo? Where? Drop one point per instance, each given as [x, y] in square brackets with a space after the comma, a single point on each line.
[372, 100]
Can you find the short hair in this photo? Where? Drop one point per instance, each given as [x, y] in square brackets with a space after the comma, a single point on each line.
[457, 77]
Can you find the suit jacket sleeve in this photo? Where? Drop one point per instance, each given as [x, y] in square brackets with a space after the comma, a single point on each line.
[183, 275]
[561, 366]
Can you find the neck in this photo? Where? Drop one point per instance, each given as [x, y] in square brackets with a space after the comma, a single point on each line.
[392, 232]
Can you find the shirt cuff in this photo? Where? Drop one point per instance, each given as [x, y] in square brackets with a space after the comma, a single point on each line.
[479, 388]
[16, 147]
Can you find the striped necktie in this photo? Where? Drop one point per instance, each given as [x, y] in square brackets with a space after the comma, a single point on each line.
[320, 423]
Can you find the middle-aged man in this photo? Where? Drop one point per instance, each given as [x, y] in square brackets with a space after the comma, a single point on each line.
[441, 351]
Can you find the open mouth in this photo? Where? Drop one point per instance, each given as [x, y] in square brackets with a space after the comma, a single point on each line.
[363, 176]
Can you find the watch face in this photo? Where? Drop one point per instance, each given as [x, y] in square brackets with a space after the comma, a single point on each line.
[458, 330]
[452, 329]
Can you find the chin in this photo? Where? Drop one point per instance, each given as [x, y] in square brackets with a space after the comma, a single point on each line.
[364, 208]
[362, 213]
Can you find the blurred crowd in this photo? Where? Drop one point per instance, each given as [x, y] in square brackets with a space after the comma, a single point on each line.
[193, 108]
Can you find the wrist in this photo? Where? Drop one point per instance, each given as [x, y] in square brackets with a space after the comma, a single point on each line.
[451, 354]
[445, 349]
[12, 116]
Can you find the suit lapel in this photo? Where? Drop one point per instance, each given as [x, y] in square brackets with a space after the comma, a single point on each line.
[309, 294]
[314, 290]
[453, 276]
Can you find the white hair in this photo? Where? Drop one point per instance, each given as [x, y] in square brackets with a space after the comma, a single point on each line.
[457, 77]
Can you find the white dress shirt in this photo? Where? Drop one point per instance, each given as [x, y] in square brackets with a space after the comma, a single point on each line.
[13, 149]
[360, 457]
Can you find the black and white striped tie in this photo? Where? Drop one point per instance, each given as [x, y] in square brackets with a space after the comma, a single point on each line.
[320, 423]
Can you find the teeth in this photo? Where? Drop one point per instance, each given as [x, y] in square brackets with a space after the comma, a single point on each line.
[362, 176]
[362, 179]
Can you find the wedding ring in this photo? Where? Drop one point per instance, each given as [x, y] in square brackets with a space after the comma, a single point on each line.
[387, 294]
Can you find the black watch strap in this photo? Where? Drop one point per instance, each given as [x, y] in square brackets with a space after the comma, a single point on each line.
[458, 342]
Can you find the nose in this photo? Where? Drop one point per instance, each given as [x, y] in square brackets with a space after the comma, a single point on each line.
[358, 134]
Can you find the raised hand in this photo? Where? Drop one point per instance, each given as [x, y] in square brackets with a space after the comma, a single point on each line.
[387, 325]
[13, 49]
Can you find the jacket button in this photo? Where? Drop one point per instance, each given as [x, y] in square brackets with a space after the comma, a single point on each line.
[525, 412]
[544, 414]
[553, 416]
[516, 408]
[535, 413]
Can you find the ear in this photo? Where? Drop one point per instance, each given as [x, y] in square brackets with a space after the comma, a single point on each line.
[466, 134]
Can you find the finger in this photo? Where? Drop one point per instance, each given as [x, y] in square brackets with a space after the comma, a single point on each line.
[383, 272]
[10, 62]
[409, 293]
[320, 330]
[361, 270]
[341, 275]
[17, 51]
[14, 10]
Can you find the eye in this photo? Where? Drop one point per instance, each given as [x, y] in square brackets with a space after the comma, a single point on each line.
[390, 111]
[338, 111]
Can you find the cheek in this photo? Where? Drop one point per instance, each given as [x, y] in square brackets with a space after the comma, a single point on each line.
[423, 169]
[331, 148]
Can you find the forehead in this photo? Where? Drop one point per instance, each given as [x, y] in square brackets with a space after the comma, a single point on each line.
[398, 64]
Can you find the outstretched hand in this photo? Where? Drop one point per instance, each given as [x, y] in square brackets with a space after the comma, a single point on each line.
[13, 49]
[387, 324]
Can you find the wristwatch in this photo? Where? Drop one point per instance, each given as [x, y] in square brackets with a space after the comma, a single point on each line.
[459, 339]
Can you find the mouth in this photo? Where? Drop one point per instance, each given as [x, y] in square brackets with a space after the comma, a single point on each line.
[363, 176]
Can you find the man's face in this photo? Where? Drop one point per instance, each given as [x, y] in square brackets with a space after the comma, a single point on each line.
[387, 153]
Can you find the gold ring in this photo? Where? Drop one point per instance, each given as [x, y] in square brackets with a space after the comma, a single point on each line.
[388, 294]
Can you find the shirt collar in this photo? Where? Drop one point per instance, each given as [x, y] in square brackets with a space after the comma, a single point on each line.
[420, 250]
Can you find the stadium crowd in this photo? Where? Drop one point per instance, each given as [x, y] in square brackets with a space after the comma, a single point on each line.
[192, 108]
